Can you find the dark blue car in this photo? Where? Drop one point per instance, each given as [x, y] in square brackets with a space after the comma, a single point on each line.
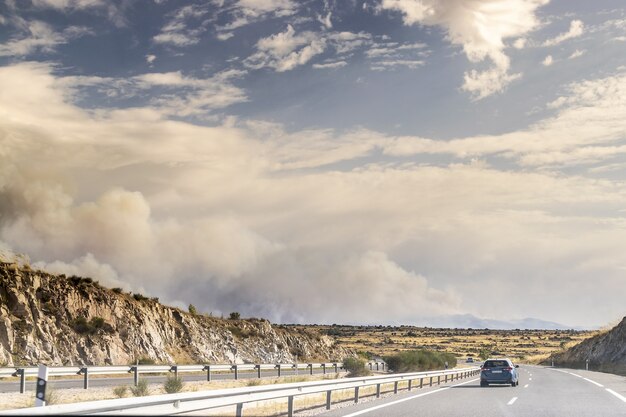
[499, 371]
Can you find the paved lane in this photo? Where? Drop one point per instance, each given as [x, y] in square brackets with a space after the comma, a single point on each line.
[14, 386]
[542, 392]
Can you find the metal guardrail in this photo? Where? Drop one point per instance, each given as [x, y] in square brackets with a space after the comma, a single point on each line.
[23, 372]
[170, 404]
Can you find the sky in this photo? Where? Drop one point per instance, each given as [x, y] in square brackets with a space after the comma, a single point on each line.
[363, 162]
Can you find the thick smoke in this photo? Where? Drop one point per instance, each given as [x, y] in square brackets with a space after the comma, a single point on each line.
[237, 217]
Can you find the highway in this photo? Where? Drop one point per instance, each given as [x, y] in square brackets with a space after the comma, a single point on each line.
[13, 385]
[541, 392]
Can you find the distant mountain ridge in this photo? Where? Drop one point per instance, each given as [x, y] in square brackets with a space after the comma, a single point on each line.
[471, 321]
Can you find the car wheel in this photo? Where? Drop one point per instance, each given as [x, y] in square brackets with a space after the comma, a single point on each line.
[484, 384]
[513, 384]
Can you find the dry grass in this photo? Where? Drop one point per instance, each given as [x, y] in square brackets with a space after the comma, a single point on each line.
[522, 345]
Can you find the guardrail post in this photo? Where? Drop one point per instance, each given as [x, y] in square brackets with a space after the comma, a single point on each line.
[135, 369]
[22, 374]
[290, 406]
[174, 369]
[439, 380]
[431, 381]
[410, 383]
[445, 378]
[310, 368]
[328, 399]
[421, 382]
[383, 366]
[336, 371]
[395, 387]
[278, 366]
[239, 411]
[258, 370]
[85, 372]
[236, 369]
[207, 368]
[370, 364]
[324, 369]
[377, 366]
[356, 395]
[377, 390]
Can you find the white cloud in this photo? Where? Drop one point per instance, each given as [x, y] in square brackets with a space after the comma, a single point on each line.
[183, 28]
[68, 4]
[480, 27]
[244, 12]
[213, 215]
[286, 50]
[520, 43]
[150, 58]
[547, 61]
[588, 124]
[331, 65]
[37, 36]
[577, 53]
[576, 28]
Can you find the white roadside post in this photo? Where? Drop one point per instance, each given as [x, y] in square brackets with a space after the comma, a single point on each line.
[42, 381]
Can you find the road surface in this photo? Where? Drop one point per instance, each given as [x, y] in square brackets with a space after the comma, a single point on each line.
[13, 384]
[541, 392]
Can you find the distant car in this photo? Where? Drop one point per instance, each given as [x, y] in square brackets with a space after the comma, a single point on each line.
[469, 360]
[499, 371]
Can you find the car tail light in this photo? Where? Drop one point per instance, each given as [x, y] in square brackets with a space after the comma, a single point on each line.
[485, 369]
[508, 368]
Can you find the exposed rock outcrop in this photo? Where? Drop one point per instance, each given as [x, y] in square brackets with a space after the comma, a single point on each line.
[605, 352]
[62, 320]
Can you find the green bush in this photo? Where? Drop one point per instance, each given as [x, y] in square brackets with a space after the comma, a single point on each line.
[192, 310]
[117, 290]
[141, 390]
[144, 360]
[120, 391]
[173, 384]
[234, 316]
[82, 326]
[419, 360]
[355, 367]
[139, 297]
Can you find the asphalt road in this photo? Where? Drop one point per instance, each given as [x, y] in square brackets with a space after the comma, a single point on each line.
[541, 392]
[14, 386]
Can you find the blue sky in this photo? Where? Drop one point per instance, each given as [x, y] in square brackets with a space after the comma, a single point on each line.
[236, 153]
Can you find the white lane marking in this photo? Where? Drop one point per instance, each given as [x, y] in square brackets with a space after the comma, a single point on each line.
[530, 379]
[621, 397]
[512, 401]
[593, 382]
[378, 407]
[526, 386]
[576, 375]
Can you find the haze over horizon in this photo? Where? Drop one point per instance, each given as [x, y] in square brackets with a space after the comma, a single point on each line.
[379, 162]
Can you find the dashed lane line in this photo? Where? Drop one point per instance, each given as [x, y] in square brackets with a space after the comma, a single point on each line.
[512, 401]
[593, 382]
[621, 397]
[378, 407]
[526, 386]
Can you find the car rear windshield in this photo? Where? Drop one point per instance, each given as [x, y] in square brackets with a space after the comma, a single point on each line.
[494, 364]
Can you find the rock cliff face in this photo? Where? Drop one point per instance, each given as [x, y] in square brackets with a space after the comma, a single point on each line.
[62, 320]
[605, 352]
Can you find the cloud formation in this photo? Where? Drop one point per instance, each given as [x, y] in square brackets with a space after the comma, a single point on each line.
[480, 27]
[250, 217]
[576, 28]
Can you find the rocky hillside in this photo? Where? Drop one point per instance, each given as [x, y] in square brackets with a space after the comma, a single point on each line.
[605, 352]
[62, 320]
